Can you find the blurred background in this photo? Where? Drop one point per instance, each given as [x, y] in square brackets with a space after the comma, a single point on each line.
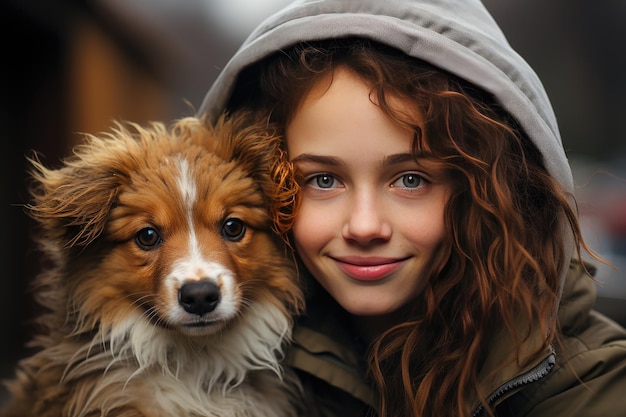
[73, 66]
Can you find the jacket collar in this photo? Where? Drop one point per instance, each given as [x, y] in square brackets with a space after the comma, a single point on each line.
[502, 375]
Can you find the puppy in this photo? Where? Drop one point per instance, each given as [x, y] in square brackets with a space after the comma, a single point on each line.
[169, 293]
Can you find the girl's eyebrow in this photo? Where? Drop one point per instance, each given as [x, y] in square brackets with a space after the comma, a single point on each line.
[318, 159]
[399, 158]
[333, 161]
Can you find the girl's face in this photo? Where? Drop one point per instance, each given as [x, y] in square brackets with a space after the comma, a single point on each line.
[371, 219]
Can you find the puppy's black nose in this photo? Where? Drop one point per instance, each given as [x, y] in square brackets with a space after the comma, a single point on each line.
[199, 297]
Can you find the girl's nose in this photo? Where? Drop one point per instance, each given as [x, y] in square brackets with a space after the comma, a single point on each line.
[366, 221]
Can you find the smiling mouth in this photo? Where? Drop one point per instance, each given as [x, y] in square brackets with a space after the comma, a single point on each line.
[369, 269]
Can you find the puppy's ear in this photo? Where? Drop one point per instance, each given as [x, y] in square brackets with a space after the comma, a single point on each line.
[259, 148]
[72, 203]
[252, 142]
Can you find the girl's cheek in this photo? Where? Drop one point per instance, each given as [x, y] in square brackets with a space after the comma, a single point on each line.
[313, 223]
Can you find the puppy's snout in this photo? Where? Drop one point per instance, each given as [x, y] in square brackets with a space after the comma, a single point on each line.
[199, 297]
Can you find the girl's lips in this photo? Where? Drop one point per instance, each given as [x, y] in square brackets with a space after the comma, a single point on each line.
[368, 269]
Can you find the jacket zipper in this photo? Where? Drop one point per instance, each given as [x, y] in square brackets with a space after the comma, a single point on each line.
[535, 374]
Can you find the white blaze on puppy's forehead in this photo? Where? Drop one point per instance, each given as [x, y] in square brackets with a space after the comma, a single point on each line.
[188, 193]
[186, 184]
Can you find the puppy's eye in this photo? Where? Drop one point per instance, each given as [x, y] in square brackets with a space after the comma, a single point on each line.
[148, 238]
[233, 229]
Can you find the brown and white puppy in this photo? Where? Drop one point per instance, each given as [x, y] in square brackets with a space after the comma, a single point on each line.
[169, 294]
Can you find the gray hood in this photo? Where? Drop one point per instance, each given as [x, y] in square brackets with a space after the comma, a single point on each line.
[466, 42]
[459, 36]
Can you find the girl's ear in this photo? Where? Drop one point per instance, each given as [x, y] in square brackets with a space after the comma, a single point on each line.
[71, 204]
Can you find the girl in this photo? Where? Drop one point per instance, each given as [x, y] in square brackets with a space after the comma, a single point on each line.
[436, 225]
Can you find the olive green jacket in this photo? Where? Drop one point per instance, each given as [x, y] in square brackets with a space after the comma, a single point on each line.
[585, 375]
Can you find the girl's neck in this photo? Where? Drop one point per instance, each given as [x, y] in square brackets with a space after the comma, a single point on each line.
[369, 328]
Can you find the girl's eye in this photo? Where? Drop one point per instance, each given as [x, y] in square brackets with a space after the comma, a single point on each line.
[323, 181]
[148, 238]
[410, 180]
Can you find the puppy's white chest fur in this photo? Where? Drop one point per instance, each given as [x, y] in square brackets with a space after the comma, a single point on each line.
[234, 374]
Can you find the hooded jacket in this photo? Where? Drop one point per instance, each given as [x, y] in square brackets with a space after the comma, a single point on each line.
[461, 37]
[586, 377]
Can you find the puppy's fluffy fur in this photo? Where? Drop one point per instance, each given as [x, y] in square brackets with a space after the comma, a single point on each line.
[169, 294]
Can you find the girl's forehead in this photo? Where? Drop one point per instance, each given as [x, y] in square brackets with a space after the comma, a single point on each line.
[345, 87]
[341, 116]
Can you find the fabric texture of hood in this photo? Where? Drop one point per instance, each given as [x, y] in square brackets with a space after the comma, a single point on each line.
[458, 36]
